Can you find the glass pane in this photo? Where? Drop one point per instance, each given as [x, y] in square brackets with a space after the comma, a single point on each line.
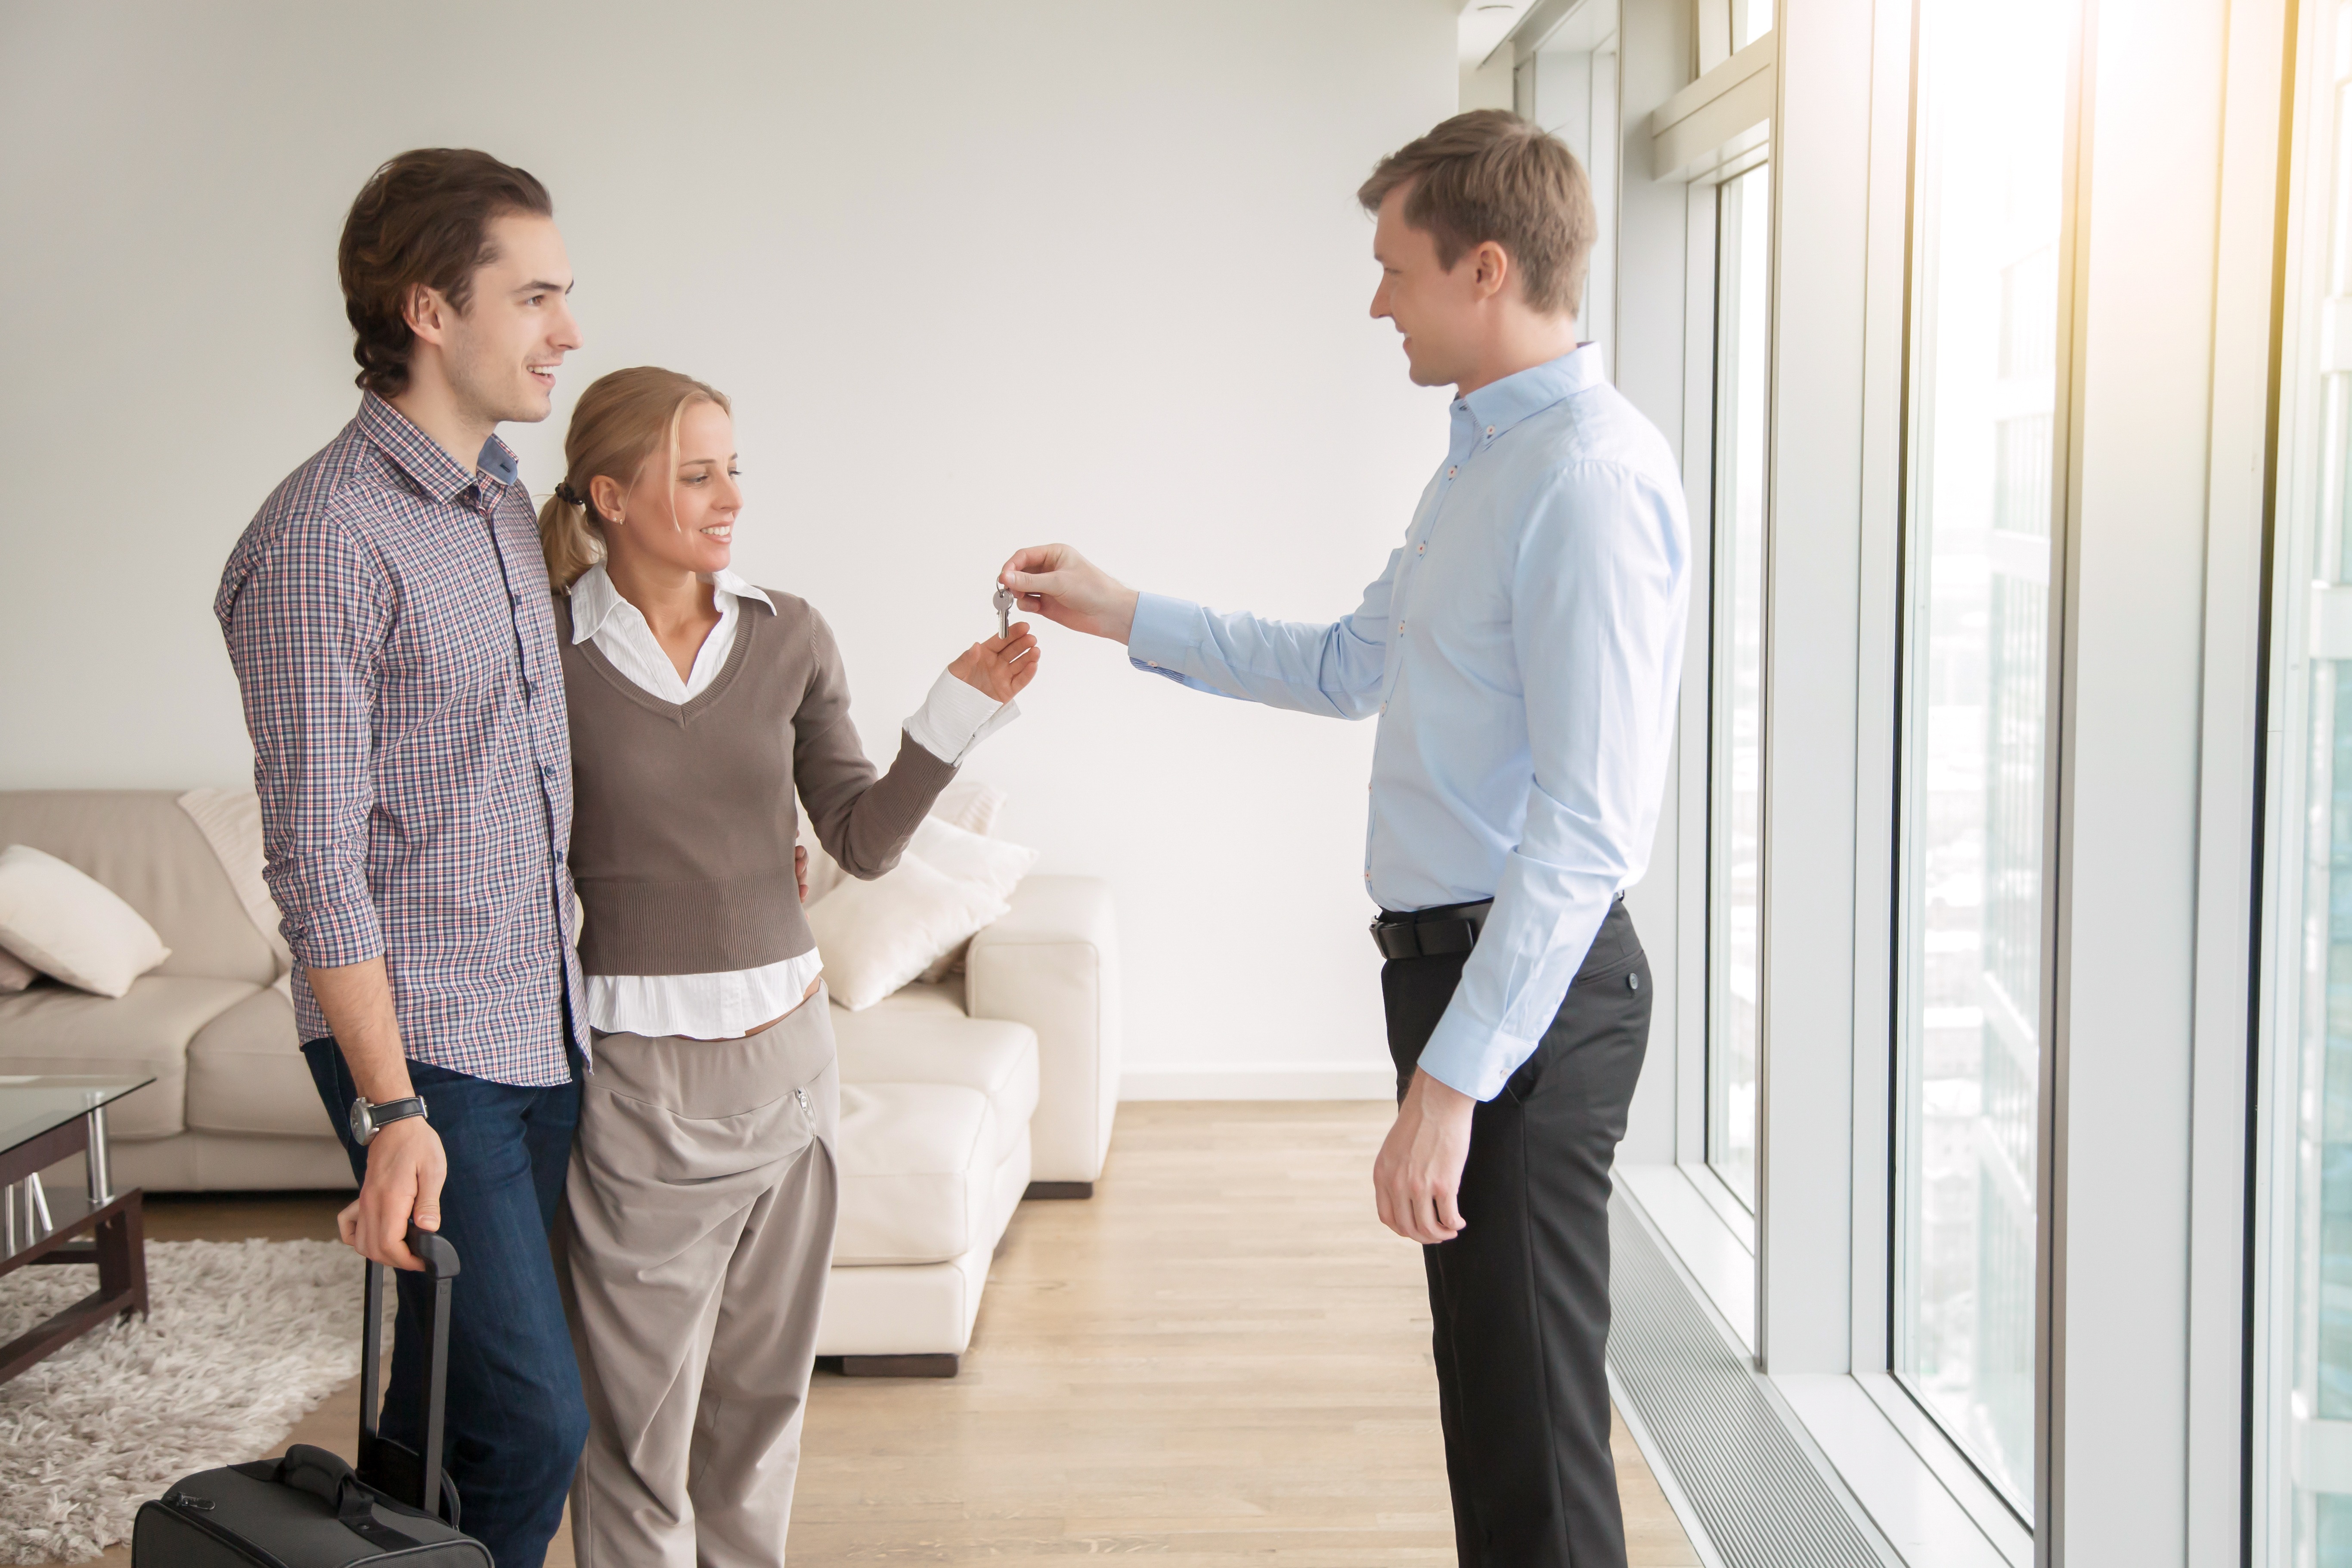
[2322, 961]
[1989, 188]
[1750, 20]
[1736, 686]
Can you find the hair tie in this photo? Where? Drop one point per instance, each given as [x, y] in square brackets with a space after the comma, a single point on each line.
[568, 496]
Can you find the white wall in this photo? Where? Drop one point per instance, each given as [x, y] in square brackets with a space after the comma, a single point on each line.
[976, 276]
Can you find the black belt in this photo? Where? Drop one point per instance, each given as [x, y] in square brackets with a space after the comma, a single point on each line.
[1431, 934]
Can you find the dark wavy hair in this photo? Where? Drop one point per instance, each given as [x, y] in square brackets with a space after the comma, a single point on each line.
[423, 217]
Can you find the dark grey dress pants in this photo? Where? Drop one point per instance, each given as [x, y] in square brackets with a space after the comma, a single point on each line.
[1520, 1298]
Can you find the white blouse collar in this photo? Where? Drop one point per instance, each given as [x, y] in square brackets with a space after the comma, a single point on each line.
[594, 600]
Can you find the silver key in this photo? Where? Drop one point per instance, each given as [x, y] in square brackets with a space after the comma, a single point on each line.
[1004, 612]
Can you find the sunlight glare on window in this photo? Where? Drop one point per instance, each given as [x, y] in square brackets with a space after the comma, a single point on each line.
[1989, 195]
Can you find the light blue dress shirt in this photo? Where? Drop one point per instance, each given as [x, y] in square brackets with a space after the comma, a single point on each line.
[1522, 651]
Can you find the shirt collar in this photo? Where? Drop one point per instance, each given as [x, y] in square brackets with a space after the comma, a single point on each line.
[427, 462]
[1496, 406]
[594, 600]
[726, 581]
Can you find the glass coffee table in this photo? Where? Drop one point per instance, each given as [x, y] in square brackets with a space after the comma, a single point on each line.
[45, 1119]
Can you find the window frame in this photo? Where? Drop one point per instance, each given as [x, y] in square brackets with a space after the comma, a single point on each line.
[1909, 750]
[2152, 79]
[2272, 905]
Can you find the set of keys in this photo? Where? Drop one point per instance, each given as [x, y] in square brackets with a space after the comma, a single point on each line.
[1004, 611]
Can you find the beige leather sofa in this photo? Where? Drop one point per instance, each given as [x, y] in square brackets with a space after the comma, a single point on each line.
[955, 1098]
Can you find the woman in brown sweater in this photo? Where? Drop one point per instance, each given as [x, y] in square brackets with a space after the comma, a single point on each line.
[702, 1189]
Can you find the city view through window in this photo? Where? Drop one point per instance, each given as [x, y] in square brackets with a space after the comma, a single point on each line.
[1988, 184]
[1735, 827]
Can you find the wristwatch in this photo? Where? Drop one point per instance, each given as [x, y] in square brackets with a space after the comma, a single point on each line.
[367, 1121]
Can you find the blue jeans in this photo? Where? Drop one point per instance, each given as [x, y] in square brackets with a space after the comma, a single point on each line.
[516, 1418]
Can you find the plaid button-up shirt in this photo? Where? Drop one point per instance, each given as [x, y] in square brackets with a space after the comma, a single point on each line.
[388, 614]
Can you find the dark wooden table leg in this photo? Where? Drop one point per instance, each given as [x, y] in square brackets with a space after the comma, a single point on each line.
[117, 1245]
[123, 1256]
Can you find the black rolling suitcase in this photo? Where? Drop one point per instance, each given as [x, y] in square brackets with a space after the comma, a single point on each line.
[310, 1510]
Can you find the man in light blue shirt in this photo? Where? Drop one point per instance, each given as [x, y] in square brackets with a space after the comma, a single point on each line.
[1522, 651]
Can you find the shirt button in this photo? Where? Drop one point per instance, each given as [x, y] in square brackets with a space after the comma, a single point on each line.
[1490, 429]
[1384, 708]
[1153, 662]
[1421, 550]
[1400, 628]
[1453, 471]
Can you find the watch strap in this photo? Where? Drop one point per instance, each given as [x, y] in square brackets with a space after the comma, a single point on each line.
[368, 1120]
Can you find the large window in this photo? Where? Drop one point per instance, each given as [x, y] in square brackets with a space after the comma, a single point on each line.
[2311, 1354]
[1987, 197]
[1736, 681]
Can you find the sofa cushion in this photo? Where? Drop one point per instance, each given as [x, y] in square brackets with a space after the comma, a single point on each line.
[920, 1308]
[66, 922]
[917, 1170]
[245, 1073]
[920, 1035]
[52, 1029]
[143, 845]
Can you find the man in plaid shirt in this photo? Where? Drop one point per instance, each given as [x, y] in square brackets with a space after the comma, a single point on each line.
[388, 614]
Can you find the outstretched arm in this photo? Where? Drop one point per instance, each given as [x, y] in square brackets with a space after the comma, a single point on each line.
[863, 820]
[1332, 669]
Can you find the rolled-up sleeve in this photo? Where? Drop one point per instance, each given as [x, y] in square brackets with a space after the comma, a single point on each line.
[305, 629]
[1332, 669]
[1597, 608]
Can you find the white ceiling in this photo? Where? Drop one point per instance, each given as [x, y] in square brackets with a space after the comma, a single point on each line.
[1484, 23]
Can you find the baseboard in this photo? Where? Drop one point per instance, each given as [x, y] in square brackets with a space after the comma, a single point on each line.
[1309, 1082]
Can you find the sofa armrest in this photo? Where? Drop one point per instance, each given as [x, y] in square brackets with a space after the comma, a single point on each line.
[1053, 963]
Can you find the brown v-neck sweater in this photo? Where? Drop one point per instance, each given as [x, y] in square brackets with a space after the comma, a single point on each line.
[683, 822]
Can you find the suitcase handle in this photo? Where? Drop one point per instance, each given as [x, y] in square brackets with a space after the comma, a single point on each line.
[326, 1477]
[382, 1461]
[321, 1474]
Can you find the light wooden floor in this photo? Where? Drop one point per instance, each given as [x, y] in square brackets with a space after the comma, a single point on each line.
[1221, 1357]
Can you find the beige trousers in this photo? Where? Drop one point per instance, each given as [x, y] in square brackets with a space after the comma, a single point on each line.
[702, 1202]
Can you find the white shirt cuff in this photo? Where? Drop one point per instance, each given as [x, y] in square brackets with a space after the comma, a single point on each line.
[957, 717]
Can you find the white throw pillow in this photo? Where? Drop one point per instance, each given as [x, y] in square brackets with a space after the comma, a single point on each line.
[875, 936]
[15, 974]
[990, 862]
[969, 857]
[969, 804]
[66, 923]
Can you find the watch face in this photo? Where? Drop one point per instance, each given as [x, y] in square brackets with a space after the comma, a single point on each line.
[363, 1124]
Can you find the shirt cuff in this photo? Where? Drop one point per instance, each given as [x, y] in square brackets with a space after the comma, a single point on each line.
[1471, 1058]
[956, 717]
[1157, 639]
[334, 935]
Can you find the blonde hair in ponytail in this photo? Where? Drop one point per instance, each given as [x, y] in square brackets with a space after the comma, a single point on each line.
[617, 425]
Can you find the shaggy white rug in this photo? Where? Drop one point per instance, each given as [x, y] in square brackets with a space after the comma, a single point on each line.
[242, 1339]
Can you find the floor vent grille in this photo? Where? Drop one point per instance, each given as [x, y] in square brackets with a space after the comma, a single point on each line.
[1742, 1476]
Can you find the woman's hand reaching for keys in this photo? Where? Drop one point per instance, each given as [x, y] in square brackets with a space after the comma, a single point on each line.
[1001, 666]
